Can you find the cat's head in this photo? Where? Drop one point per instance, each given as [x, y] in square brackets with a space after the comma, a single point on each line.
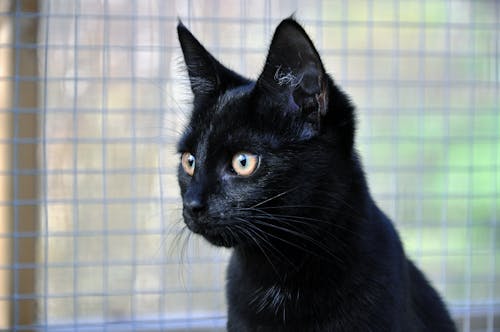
[258, 157]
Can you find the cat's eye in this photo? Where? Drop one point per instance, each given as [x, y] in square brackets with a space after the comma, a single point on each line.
[188, 163]
[245, 163]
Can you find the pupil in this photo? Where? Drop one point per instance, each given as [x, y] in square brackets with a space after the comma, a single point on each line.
[243, 161]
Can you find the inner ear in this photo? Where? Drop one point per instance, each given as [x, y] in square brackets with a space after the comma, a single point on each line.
[310, 94]
[294, 72]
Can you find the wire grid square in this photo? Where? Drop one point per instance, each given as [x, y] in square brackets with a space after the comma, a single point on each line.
[111, 254]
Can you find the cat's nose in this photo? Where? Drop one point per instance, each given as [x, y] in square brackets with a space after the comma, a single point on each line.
[194, 205]
[194, 199]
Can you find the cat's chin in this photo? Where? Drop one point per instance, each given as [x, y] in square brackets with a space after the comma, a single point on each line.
[220, 241]
[217, 236]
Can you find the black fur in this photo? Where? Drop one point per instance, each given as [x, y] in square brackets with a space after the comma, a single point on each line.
[311, 250]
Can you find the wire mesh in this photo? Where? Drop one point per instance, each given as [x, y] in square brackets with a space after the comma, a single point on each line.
[111, 253]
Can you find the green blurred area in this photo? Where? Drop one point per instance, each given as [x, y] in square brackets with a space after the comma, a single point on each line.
[436, 129]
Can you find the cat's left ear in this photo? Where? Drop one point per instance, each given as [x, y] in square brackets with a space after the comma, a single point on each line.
[294, 71]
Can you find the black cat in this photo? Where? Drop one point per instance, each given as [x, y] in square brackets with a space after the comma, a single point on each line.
[268, 168]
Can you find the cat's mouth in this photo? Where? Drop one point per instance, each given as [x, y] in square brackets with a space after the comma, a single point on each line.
[215, 232]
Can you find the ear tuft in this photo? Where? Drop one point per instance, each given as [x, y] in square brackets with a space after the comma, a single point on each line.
[287, 78]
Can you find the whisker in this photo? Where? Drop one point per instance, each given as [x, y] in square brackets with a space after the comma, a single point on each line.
[274, 197]
[301, 236]
[301, 220]
[261, 234]
[322, 230]
[177, 238]
[247, 232]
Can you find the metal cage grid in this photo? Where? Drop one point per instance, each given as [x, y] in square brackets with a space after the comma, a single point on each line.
[109, 252]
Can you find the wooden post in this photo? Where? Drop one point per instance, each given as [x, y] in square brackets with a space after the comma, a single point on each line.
[25, 181]
[5, 165]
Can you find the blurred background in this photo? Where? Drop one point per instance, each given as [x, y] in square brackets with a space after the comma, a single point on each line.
[93, 97]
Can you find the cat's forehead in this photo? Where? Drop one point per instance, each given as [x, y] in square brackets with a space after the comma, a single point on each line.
[233, 96]
[232, 110]
[221, 121]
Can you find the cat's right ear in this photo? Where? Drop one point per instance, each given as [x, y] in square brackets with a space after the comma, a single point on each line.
[294, 72]
[203, 69]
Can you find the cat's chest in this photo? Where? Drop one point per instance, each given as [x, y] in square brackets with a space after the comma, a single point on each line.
[274, 298]
[276, 308]
[263, 291]
[276, 302]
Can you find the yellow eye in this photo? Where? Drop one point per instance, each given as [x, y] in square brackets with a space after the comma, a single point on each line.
[245, 163]
[188, 162]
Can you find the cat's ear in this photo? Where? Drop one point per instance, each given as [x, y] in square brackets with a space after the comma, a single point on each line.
[201, 65]
[207, 76]
[294, 70]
